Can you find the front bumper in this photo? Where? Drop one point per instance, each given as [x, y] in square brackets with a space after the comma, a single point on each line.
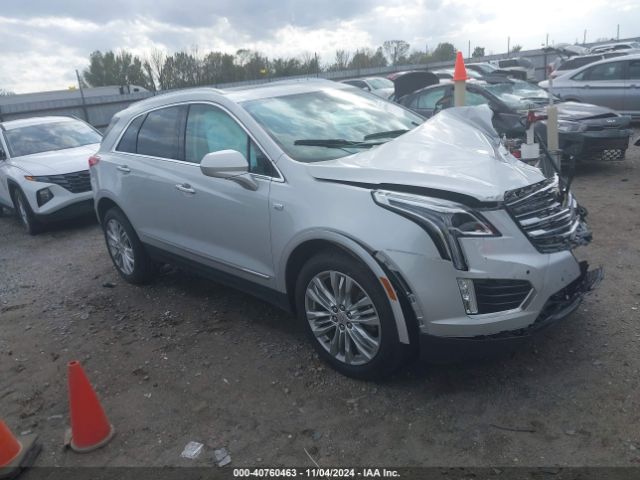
[596, 145]
[558, 306]
[72, 210]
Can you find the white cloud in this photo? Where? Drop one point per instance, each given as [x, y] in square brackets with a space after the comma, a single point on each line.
[42, 45]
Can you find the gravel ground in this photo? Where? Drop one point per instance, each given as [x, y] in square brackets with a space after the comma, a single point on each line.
[185, 359]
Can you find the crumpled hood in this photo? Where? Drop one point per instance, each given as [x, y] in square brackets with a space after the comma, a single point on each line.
[456, 151]
[69, 160]
[582, 111]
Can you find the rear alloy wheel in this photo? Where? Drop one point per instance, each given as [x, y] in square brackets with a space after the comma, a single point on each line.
[126, 251]
[348, 317]
[25, 214]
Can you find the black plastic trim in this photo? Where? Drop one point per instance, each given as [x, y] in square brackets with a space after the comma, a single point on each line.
[278, 299]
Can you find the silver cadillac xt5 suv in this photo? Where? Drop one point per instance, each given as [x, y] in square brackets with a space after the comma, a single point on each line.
[386, 235]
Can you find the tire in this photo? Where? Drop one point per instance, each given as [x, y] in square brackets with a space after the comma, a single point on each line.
[125, 249]
[25, 215]
[344, 330]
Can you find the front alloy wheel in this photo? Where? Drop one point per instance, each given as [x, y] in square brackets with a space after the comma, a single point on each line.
[343, 318]
[347, 315]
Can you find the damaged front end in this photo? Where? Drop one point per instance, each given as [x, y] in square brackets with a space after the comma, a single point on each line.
[549, 216]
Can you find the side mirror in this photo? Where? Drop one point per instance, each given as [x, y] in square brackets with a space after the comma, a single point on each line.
[3, 156]
[230, 165]
[367, 88]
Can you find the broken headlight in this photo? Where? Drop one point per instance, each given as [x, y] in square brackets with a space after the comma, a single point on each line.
[444, 221]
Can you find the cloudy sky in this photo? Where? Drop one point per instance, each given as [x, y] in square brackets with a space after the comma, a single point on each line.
[44, 41]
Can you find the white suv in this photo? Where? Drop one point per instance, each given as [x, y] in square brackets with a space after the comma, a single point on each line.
[43, 169]
[382, 233]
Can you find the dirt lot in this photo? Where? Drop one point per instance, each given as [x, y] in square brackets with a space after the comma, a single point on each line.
[186, 359]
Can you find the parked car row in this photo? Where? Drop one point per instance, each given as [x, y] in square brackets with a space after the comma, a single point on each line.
[386, 235]
[586, 132]
[612, 82]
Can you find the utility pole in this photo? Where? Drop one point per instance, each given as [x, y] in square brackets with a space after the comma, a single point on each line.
[584, 38]
[508, 46]
[547, 41]
[469, 50]
[84, 103]
[618, 33]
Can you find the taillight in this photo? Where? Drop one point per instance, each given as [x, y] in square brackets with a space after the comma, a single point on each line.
[93, 160]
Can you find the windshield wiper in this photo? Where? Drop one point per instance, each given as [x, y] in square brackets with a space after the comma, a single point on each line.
[335, 143]
[389, 133]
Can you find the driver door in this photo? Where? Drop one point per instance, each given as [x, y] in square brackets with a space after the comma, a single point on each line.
[226, 225]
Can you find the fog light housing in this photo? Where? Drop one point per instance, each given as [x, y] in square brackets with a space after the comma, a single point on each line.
[468, 294]
[44, 196]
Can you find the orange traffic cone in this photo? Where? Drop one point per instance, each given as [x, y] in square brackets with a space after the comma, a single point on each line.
[460, 72]
[15, 454]
[90, 428]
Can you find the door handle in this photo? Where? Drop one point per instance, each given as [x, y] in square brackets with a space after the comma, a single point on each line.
[123, 168]
[185, 188]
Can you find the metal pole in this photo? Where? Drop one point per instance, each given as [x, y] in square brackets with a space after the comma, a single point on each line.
[508, 46]
[547, 42]
[84, 104]
[618, 33]
[584, 38]
[552, 129]
[469, 50]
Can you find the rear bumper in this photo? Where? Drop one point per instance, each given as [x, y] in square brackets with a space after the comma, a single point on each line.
[454, 349]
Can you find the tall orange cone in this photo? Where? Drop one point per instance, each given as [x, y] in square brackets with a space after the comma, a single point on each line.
[90, 428]
[15, 454]
[459, 80]
[460, 72]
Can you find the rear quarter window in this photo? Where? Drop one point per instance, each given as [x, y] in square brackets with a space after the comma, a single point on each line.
[129, 141]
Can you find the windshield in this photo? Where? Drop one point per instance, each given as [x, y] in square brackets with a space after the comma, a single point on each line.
[519, 95]
[377, 83]
[46, 137]
[329, 114]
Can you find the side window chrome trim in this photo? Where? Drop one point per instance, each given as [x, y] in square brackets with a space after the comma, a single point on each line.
[280, 178]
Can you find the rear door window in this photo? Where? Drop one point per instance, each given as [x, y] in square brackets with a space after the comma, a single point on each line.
[603, 72]
[160, 133]
[427, 100]
[633, 70]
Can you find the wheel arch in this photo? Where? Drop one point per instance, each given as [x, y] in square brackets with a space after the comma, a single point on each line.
[315, 242]
[103, 205]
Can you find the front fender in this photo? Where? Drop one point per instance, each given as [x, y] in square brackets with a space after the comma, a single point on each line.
[361, 251]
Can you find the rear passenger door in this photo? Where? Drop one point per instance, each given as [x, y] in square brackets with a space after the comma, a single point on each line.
[148, 168]
[632, 91]
[603, 85]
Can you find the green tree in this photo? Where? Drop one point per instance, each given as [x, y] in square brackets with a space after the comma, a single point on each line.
[478, 52]
[122, 68]
[396, 51]
[5, 93]
[417, 58]
[444, 52]
[516, 48]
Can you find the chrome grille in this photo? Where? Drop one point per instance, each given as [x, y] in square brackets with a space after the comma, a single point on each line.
[76, 182]
[551, 221]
